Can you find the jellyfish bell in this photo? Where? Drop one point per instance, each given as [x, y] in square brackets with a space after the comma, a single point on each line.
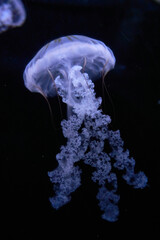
[63, 59]
[60, 55]
[12, 14]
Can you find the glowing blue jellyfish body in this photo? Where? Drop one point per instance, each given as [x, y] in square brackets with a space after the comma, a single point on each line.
[68, 63]
[12, 14]
[60, 55]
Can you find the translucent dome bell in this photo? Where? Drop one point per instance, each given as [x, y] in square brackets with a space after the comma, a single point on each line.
[60, 55]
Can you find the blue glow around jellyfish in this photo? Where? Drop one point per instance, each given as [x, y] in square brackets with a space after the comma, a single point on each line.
[71, 64]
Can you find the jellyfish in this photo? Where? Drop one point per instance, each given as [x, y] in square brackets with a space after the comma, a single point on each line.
[68, 66]
[12, 14]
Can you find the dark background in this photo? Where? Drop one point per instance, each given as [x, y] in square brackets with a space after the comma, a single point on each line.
[29, 143]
